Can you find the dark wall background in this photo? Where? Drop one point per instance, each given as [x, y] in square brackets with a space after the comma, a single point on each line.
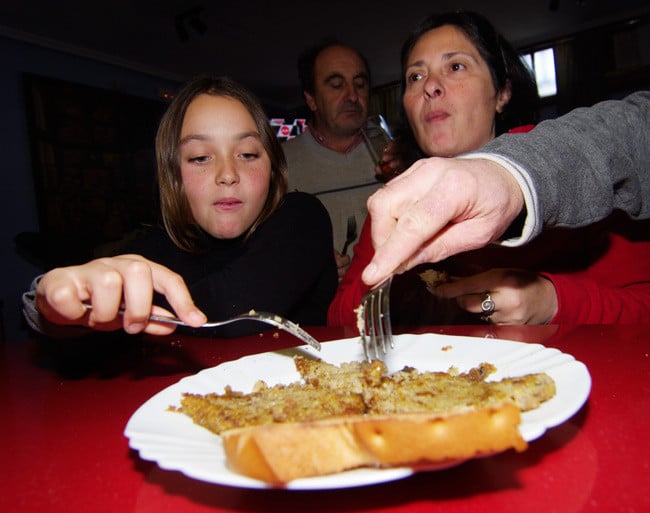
[18, 205]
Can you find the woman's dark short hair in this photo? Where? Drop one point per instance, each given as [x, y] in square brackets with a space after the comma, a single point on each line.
[175, 209]
[503, 61]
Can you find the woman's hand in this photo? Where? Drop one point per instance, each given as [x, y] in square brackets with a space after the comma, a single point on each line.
[520, 297]
[342, 263]
[108, 284]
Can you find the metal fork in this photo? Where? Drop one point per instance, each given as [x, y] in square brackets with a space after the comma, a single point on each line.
[351, 233]
[265, 317]
[374, 322]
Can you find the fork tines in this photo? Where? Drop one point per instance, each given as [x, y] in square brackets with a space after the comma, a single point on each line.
[374, 325]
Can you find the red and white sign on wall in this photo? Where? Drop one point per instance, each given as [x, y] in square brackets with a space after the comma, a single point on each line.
[288, 129]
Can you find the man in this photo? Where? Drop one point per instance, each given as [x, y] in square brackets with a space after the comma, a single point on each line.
[570, 171]
[330, 159]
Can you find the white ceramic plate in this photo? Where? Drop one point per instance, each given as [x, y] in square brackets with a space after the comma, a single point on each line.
[173, 441]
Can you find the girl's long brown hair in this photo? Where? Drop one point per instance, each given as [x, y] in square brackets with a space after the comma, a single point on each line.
[175, 209]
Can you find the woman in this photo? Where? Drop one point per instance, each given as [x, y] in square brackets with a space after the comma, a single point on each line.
[233, 239]
[463, 85]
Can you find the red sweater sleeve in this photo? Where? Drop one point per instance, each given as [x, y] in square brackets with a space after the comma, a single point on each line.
[352, 288]
[615, 289]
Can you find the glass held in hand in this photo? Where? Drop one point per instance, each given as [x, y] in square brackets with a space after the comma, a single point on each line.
[377, 134]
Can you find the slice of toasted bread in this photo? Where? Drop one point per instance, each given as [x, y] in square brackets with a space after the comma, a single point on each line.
[279, 453]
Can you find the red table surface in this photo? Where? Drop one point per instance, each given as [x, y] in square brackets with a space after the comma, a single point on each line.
[65, 405]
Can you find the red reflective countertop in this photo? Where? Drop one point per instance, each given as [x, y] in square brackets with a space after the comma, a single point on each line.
[65, 405]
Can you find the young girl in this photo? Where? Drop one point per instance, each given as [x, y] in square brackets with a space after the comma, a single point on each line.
[233, 239]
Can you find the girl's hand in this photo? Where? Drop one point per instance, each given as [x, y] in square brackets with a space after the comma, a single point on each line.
[108, 284]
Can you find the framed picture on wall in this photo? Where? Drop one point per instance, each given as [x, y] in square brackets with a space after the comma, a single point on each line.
[94, 166]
